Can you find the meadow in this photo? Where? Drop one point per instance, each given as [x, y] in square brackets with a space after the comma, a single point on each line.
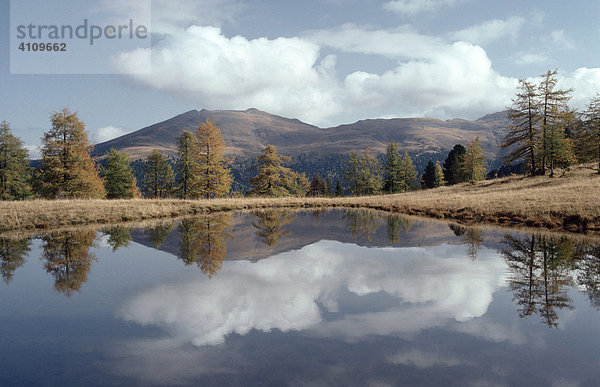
[569, 203]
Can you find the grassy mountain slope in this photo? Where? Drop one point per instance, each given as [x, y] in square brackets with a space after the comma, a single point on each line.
[247, 132]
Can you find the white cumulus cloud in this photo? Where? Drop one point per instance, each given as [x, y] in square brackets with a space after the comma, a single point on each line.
[290, 76]
[491, 30]
[294, 77]
[281, 75]
[35, 151]
[107, 133]
[412, 7]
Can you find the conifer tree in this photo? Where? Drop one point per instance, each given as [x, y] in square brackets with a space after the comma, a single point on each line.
[391, 182]
[119, 181]
[15, 173]
[214, 177]
[296, 183]
[523, 136]
[439, 175]
[318, 186]
[67, 169]
[338, 188]
[553, 107]
[407, 174]
[473, 162]
[558, 148]
[590, 132]
[158, 176]
[272, 176]
[428, 180]
[352, 172]
[452, 174]
[363, 172]
[188, 170]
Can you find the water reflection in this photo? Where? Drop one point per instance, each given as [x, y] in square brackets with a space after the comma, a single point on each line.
[203, 242]
[540, 269]
[362, 223]
[588, 273]
[159, 233]
[118, 236]
[347, 297]
[270, 224]
[470, 236]
[395, 224]
[310, 289]
[66, 255]
[12, 256]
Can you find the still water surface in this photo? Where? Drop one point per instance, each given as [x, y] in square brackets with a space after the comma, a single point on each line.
[299, 298]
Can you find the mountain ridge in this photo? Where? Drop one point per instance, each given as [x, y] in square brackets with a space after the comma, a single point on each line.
[247, 132]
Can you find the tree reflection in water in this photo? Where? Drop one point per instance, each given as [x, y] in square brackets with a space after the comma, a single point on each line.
[12, 256]
[588, 273]
[395, 223]
[540, 270]
[203, 241]
[363, 223]
[270, 225]
[118, 236]
[66, 256]
[541, 267]
[471, 236]
[159, 233]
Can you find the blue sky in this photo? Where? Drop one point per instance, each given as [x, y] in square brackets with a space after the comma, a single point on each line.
[325, 62]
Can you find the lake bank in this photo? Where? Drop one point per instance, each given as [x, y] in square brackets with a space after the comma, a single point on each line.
[567, 203]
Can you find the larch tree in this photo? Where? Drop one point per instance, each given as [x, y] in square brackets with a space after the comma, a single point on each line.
[188, 170]
[15, 173]
[439, 175]
[363, 172]
[391, 169]
[558, 148]
[272, 176]
[523, 137]
[67, 169]
[158, 176]
[214, 178]
[590, 130]
[407, 174]
[553, 107]
[452, 174]
[119, 181]
[296, 183]
[351, 172]
[473, 162]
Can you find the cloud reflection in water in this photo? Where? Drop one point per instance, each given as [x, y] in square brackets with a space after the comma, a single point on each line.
[291, 291]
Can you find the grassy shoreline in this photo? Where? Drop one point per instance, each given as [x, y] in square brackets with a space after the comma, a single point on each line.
[568, 203]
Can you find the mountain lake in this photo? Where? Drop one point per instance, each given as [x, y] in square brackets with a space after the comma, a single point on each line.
[324, 297]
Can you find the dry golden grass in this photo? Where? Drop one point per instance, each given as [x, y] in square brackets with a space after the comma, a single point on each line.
[570, 202]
